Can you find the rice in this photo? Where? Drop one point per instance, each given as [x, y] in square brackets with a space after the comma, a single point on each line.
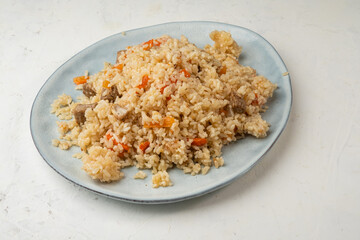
[140, 175]
[165, 104]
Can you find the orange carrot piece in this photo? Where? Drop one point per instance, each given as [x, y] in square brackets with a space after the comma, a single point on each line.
[125, 147]
[119, 66]
[162, 89]
[199, 141]
[222, 70]
[168, 121]
[223, 111]
[186, 73]
[144, 82]
[144, 145]
[152, 125]
[80, 80]
[149, 44]
[255, 101]
[105, 84]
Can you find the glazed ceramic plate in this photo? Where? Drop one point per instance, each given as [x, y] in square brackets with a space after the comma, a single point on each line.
[239, 156]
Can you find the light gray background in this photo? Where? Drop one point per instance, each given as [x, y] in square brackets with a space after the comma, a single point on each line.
[306, 187]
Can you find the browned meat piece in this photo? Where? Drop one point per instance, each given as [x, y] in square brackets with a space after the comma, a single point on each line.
[79, 112]
[237, 104]
[88, 90]
[119, 112]
[118, 55]
[110, 94]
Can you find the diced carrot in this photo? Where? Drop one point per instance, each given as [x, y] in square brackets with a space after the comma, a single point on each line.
[125, 147]
[199, 141]
[144, 145]
[168, 98]
[173, 79]
[80, 80]
[186, 73]
[108, 136]
[162, 89]
[149, 44]
[255, 101]
[119, 66]
[222, 70]
[105, 84]
[144, 82]
[223, 111]
[168, 121]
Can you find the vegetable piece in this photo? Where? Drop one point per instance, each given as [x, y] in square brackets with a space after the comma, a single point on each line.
[199, 141]
[186, 73]
[105, 84]
[109, 136]
[144, 82]
[80, 80]
[149, 44]
[222, 70]
[152, 125]
[119, 66]
[162, 89]
[255, 102]
[125, 146]
[144, 145]
[167, 122]
[223, 111]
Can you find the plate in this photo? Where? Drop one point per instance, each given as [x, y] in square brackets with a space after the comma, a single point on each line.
[239, 156]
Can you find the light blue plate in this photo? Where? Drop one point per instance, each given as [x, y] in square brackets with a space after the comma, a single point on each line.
[239, 156]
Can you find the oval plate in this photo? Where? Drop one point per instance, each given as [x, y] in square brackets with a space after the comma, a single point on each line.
[239, 156]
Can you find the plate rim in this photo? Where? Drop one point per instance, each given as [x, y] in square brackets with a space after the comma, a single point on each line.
[180, 198]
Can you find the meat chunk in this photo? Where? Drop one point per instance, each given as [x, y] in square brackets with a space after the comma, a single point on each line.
[237, 103]
[119, 112]
[88, 90]
[79, 112]
[110, 94]
[118, 55]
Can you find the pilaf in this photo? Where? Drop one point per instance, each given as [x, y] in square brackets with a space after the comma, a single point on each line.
[165, 103]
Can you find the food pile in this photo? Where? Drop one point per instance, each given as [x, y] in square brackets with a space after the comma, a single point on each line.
[165, 103]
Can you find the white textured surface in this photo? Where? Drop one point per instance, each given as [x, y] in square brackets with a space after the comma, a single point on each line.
[306, 187]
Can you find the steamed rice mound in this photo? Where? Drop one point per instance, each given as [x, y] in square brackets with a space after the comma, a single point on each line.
[176, 106]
